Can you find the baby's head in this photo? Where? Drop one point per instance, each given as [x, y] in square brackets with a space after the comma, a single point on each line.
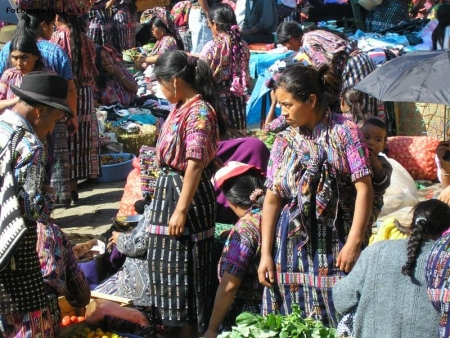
[242, 184]
[375, 134]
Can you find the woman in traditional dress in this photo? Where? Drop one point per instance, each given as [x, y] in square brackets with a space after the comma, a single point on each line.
[323, 46]
[124, 24]
[100, 22]
[386, 15]
[164, 31]
[319, 178]
[228, 56]
[84, 146]
[181, 224]
[115, 84]
[25, 57]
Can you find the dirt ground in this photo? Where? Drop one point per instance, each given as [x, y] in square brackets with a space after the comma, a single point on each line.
[98, 203]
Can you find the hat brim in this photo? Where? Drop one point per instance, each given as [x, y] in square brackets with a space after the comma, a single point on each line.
[45, 100]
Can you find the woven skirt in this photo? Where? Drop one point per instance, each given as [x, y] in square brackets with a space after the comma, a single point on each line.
[182, 273]
[234, 109]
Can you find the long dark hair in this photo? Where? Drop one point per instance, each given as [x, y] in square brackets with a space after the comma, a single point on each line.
[355, 100]
[29, 23]
[77, 27]
[443, 17]
[238, 189]
[160, 24]
[102, 77]
[196, 73]
[302, 81]
[287, 30]
[27, 44]
[430, 219]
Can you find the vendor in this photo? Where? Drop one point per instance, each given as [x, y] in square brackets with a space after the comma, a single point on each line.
[165, 32]
[115, 84]
[261, 20]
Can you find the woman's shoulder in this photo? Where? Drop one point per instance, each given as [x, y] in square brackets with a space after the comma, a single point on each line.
[50, 48]
[343, 126]
[11, 73]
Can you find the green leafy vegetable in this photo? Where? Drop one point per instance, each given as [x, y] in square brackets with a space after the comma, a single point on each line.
[251, 325]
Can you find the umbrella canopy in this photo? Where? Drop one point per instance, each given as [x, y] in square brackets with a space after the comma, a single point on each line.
[414, 77]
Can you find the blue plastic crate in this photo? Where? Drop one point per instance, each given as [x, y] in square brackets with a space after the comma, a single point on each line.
[116, 172]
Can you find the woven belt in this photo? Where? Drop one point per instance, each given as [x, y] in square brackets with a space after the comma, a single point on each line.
[290, 278]
[197, 237]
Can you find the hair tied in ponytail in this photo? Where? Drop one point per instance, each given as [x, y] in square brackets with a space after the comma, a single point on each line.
[234, 28]
[419, 220]
[192, 61]
[255, 194]
[25, 17]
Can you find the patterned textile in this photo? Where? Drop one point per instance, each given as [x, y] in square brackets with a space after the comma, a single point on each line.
[163, 45]
[58, 263]
[36, 324]
[54, 57]
[180, 13]
[189, 132]
[124, 24]
[185, 36]
[321, 46]
[387, 15]
[242, 253]
[149, 15]
[228, 57]
[182, 278]
[22, 288]
[437, 275]
[13, 76]
[148, 170]
[87, 70]
[306, 248]
[100, 27]
[60, 175]
[115, 92]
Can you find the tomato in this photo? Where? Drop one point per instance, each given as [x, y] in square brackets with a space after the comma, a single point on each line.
[66, 321]
[74, 319]
[81, 319]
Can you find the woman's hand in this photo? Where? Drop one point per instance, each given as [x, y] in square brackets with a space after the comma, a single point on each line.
[176, 223]
[115, 71]
[348, 256]
[444, 196]
[266, 271]
[210, 334]
[113, 239]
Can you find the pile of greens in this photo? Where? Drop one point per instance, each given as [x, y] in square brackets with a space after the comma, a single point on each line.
[275, 325]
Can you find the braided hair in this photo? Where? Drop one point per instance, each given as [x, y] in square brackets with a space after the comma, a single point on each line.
[430, 220]
[225, 19]
[355, 100]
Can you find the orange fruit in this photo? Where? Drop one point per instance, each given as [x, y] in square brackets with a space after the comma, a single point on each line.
[66, 321]
[81, 319]
[74, 319]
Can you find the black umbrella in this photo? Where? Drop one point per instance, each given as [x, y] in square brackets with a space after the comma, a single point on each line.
[413, 77]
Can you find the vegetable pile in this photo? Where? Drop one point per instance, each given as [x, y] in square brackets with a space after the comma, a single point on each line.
[275, 325]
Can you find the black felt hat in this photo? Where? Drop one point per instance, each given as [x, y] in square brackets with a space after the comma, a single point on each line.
[43, 87]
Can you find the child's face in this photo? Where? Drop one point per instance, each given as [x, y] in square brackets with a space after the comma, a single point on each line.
[375, 138]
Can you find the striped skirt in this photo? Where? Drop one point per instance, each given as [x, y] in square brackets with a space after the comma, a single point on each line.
[124, 24]
[31, 324]
[234, 109]
[100, 26]
[60, 178]
[84, 146]
[182, 273]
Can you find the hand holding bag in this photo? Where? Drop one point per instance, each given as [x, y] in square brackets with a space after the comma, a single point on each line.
[12, 225]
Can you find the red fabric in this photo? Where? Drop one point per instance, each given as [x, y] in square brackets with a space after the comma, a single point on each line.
[416, 154]
[132, 191]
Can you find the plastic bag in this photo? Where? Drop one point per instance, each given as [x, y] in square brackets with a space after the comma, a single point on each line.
[401, 193]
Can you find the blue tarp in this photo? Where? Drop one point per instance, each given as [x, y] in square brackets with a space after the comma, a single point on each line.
[7, 16]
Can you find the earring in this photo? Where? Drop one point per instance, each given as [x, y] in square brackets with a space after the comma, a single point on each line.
[175, 91]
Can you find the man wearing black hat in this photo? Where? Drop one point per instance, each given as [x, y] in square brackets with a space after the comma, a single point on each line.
[23, 304]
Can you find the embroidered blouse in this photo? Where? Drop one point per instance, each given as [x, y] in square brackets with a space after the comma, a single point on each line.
[190, 132]
[242, 253]
[12, 76]
[58, 263]
[115, 91]
[163, 45]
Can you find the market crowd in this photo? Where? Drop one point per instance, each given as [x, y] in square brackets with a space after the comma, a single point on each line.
[303, 212]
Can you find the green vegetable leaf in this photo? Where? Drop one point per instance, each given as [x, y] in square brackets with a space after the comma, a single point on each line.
[247, 318]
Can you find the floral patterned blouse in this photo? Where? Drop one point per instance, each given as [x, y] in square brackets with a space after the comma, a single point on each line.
[242, 253]
[346, 152]
[190, 132]
[12, 76]
[115, 92]
[163, 45]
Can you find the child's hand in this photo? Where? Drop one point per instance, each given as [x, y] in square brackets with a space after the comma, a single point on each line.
[441, 150]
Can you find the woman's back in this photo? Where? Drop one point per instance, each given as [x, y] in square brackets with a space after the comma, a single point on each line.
[388, 303]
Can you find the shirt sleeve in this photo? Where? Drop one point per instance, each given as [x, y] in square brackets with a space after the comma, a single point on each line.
[265, 22]
[239, 250]
[387, 173]
[58, 60]
[134, 244]
[207, 53]
[4, 54]
[4, 85]
[275, 162]
[75, 280]
[354, 150]
[37, 205]
[201, 127]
